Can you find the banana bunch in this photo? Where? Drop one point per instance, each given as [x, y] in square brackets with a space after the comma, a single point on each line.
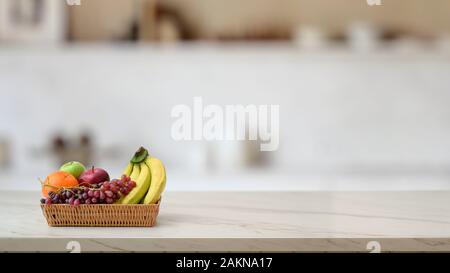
[150, 177]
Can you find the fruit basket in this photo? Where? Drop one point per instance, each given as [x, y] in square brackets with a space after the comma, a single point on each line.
[101, 215]
[75, 196]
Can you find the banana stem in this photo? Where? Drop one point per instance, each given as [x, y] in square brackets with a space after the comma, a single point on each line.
[140, 155]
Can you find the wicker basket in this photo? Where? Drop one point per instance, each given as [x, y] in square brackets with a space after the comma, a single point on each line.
[101, 215]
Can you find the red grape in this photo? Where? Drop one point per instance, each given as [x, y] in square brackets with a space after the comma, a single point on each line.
[109, 193]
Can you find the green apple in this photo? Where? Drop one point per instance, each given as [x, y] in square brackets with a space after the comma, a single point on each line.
[75, 168]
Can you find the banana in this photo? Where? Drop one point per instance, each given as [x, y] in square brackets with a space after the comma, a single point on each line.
[142, 184]
[158, 182]
[128, 169]
[135, 173]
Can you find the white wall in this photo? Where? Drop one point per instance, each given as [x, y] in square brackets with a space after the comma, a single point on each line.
[340, 111]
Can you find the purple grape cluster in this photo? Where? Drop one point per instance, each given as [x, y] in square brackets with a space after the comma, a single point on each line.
[106, 192]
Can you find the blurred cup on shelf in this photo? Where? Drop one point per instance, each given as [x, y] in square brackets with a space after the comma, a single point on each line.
[363, 36]
[309, 37]
[215, 156]
[198, 156]
[229, 155]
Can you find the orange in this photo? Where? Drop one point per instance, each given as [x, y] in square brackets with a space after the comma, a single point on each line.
[56, 181]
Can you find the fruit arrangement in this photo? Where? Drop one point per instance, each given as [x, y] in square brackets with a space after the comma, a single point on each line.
[142, 182]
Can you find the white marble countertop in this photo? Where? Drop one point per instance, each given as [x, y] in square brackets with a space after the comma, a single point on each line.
[248, 221]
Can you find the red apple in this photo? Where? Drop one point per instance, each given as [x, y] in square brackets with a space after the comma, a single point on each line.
[93, 176]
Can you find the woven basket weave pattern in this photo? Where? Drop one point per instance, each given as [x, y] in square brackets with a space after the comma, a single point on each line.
[101, 215]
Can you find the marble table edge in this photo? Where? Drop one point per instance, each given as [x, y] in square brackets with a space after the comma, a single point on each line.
[227, 244]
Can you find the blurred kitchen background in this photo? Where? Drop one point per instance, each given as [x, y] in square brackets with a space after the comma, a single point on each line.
[364, 91]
